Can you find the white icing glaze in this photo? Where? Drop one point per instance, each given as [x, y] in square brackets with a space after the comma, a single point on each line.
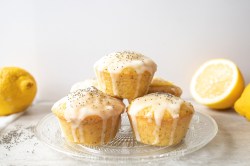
[156, 134]
[73, 131]
[104, 126]
[81, 130]
[134, 123]
[100, 81]
[137, 85]
[87, 102]
[174, 126]
[115, 62]
[59, 103]
[61, 129]
[84, 84]
[160, 102]
[112, 125]
[114, 78]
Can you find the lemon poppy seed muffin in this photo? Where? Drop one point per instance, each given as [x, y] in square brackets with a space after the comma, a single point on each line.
[88, 116]
[160, 119]
[160, 85]
[125, 74]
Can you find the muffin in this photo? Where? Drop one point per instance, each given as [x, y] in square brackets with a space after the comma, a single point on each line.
[88, 116]
[125, 74]
[160, 85]
[160, 119]
[84, 84]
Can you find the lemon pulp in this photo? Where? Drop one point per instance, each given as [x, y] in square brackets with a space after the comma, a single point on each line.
[217, 84]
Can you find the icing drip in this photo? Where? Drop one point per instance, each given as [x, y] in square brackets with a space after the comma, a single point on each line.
[61, 128]
[104, 126]
[156, 134]
[134, 122]
[101, 82]
[174, 126]
[73, 131]
[137, 85]
[112, 126]
[160, 102]
[81, 130]
[114, 78]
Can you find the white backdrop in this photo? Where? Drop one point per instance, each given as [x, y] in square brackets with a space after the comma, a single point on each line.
[58, 41]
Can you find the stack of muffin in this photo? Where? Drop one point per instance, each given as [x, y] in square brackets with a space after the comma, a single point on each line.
[91, 113]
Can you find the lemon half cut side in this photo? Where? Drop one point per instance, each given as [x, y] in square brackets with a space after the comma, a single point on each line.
[218, 83]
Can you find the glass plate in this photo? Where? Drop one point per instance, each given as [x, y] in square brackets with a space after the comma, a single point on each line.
[124, 148]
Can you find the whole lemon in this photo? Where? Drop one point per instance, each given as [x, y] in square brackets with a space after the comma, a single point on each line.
[242, 105]
[17, 90]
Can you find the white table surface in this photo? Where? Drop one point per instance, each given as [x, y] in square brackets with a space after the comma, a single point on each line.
[19, 146]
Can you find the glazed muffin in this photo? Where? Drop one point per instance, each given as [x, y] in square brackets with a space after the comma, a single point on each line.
[84, 84]
[125, 74]
[160, 85]
[88, 116]
[160, 119]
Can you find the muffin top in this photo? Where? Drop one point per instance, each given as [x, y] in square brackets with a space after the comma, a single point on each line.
[117, 61]
[159, 106]
[84, 84]
[82, 103]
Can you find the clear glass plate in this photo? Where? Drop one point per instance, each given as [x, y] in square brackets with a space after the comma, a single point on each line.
[124, 148]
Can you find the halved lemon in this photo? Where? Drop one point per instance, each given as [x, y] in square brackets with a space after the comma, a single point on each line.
[218, 83]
